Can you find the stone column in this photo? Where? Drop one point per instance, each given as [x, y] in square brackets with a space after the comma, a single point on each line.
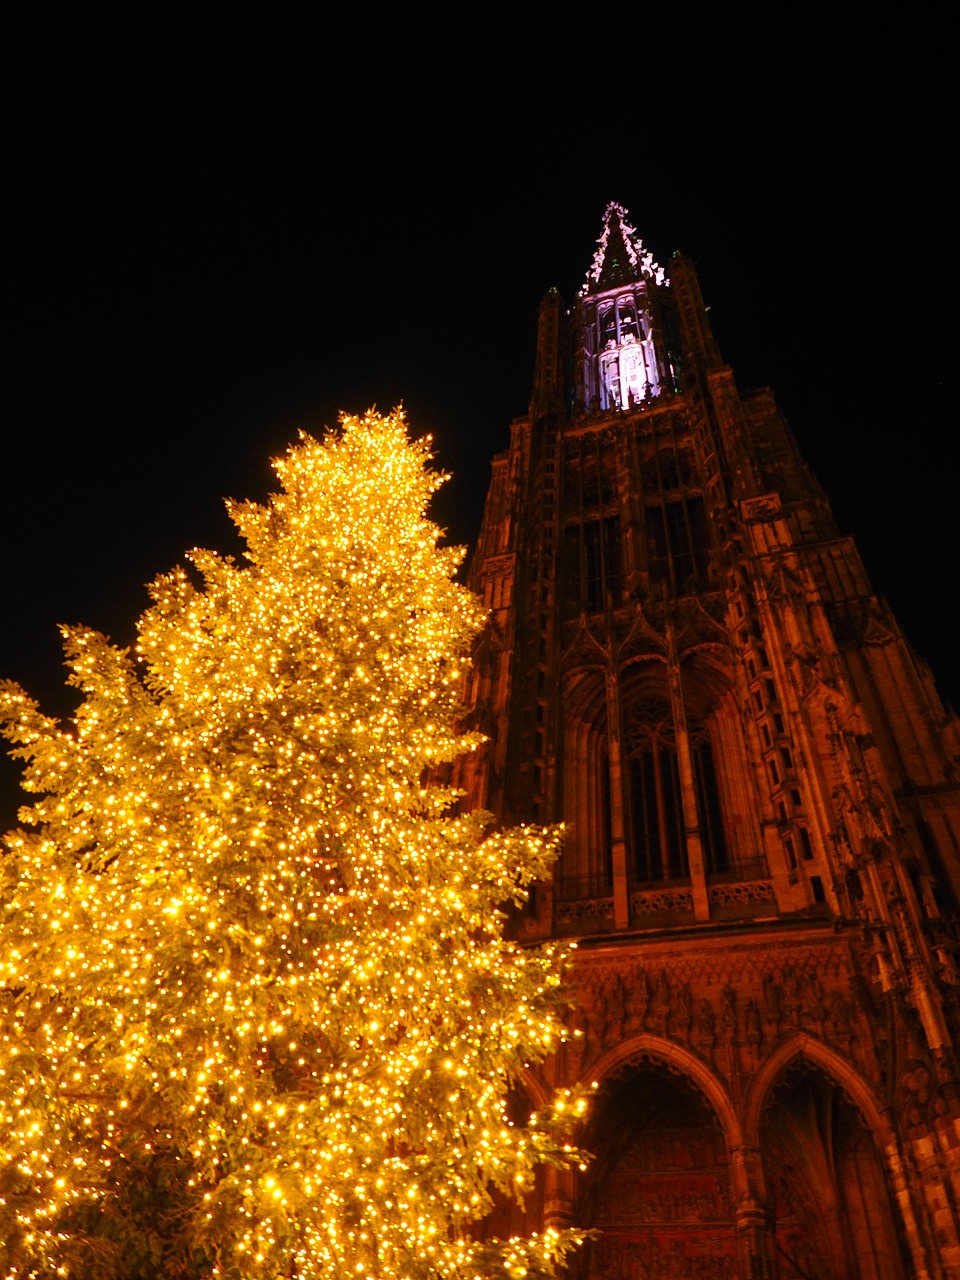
[754, 1222]
[621, 892]
[558, 1197]
[688, 791]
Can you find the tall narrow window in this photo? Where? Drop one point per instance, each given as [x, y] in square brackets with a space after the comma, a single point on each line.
[677, 543]
[656, 819]
[628, 318]
[608, 326]
[611, 556]
[605, 882]
[570, 570]
[591, 569]
[633, 376]
[656, 811]
[708, 809]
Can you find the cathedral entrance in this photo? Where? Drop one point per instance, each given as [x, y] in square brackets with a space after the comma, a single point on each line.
[659, 1189]
[832, 1212]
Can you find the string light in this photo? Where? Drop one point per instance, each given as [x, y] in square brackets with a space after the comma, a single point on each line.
[638, 255]
[259, 1014]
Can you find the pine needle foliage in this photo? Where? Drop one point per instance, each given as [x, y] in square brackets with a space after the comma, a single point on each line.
[259, 1015]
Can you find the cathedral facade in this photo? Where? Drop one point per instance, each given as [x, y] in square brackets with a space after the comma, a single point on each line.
[760, 789]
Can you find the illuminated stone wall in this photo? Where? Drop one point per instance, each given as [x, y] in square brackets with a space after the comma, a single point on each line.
[686, 664]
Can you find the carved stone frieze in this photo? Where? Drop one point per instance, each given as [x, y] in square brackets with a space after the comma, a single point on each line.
[588, 908]
[498, 566]
[731, 1009]
[765, 507]
[859, 622]
[654, 900]
[922, 1103]
[584, 648]
[784, 584]
[741, 892]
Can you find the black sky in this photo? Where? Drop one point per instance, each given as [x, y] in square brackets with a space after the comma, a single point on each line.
[223, 235]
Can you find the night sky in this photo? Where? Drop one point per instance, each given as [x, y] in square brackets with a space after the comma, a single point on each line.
[224, 235]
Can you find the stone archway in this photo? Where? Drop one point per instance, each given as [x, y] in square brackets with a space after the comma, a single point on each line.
[660, 1189]
[833, 1218]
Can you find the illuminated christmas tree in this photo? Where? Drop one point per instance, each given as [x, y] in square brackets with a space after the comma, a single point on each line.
[259, 1015]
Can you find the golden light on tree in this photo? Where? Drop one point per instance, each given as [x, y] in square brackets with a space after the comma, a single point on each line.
[259, 1015]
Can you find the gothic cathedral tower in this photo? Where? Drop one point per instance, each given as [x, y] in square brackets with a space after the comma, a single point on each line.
[686, 665]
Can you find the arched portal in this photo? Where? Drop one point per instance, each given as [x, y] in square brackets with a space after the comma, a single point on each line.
[833, 1217]
[659, 1189]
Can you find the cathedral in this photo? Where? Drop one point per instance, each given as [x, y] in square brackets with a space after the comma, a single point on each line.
[685, 665]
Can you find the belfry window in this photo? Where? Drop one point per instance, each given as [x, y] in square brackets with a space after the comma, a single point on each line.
[633, 375]
[627, 310]
[625, 366]
[608, 326]
[610, 378]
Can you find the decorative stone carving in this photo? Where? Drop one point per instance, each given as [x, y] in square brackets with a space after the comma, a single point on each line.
[728, 1013]
[587, 908]
[754, 1026]
[639, 999]
[655, 900]
[916, 1090]
[705, 1030]
[681, 1015]
[732, 1012]
[839, 1028]
[873, 625]
[740, 893]
[659, 1008]
[765, 507]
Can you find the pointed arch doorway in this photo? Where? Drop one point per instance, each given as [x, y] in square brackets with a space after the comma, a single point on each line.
[658, 1191]
[832, 1211]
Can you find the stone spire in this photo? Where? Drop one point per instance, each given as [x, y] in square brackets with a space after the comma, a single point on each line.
[620, 254]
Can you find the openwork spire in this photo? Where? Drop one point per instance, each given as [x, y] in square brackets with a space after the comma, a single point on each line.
[620, 254]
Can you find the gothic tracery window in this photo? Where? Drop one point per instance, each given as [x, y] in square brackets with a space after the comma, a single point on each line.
[657, 822]
[608, 325]
[633, 374]
[627, 309]
[677, 543]
[656, 811]
[623, 350]
[591, 564]
[705, 782]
